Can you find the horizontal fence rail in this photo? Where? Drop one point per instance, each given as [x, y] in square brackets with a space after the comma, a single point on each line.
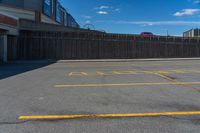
[74, 45]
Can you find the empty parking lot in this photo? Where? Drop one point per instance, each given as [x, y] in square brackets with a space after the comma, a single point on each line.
[131, 96]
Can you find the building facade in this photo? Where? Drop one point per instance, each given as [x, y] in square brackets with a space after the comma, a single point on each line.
[19, 15]
[50, 11]
[192, 33]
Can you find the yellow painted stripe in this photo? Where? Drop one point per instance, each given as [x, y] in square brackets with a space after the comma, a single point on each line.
[165, 77]
[128, 84]
[107, 115]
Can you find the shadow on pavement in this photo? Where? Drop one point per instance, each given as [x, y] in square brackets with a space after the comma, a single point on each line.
[19, 67]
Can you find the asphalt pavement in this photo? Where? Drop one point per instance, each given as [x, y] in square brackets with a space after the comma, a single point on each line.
[161, 96]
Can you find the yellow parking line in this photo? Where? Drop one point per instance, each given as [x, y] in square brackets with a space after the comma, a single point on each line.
[128, 84]
[108, 115]
[124, 72]
[78, 74]
[131, 72]
[165, 77]
[98, 73]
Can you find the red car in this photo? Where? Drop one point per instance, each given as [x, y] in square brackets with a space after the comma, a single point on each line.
[147, 34]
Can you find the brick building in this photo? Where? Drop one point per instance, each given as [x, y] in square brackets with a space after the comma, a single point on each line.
[17, 15]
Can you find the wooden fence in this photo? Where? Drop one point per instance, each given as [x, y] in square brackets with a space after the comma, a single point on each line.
[51, 45]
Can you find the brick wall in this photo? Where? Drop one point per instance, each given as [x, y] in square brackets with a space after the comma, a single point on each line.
[8, 20]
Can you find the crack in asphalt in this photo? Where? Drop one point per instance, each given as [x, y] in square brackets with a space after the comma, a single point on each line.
[14, 122]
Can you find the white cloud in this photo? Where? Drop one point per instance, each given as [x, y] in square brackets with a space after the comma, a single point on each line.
[87, 17]
[197, 2]
[102, 12]
[154, 23]
[151, 23]
[88, 22]
[116, 10]
[102, 7]
[186, 12]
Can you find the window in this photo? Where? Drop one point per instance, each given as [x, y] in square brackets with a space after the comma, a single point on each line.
[52, 7]
[58, 12]
[65, 18]
[47, 7]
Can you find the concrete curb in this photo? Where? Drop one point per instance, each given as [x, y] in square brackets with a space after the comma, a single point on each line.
[127, 60]
[100, 60]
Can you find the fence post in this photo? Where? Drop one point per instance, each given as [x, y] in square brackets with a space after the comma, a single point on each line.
[5, 48]
[1, 48]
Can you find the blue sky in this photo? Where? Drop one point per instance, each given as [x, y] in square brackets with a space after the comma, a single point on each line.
[136, 16]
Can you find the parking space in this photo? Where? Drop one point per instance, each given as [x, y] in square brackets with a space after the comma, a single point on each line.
[101, 97]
